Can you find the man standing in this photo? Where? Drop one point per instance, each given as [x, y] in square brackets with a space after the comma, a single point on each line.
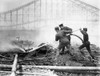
[62, 27]
[86, 42]
[63, 40]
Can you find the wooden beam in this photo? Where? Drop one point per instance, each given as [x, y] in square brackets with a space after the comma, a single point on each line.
[14, 66]
[58, 68]
[38, 73]
[66, 68]
[27, 73]
[5, 66]
[36, 48]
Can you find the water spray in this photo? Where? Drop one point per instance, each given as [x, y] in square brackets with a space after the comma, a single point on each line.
[75, 30]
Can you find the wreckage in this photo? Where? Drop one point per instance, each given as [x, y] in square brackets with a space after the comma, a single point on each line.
[18, 55]
[25, 49]
[24, 56]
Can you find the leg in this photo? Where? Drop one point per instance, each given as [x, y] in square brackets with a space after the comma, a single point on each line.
[89, 50]
[69, 49]
[61, 48]
[82, 46]
[69, 38]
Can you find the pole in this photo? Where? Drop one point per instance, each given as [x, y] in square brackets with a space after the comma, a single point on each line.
[61, 68]
[14, 66]
[36, 48]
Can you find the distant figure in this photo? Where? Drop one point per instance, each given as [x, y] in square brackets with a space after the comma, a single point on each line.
[86, 42]
[63, 40]
[62, 27]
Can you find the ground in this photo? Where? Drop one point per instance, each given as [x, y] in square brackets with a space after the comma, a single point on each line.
[47, 56]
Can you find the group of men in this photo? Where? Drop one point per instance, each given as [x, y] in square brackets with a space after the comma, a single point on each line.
[63, 36]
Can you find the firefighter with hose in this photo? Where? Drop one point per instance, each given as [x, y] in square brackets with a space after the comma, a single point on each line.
[86, 42]
[63, 40]
[62, 27]
[69, 31]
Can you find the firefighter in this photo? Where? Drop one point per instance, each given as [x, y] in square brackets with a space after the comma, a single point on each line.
[63, 40]
[86, 42]
[62, 27]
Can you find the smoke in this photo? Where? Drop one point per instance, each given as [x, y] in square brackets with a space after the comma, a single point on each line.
[45, 34]
[8, 47]
[7, 36]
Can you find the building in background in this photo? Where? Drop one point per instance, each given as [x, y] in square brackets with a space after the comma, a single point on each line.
[37, 19]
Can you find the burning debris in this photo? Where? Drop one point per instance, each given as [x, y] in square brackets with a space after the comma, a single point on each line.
[45, 54]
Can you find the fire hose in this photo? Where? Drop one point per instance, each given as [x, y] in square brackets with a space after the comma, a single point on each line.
[77, 36]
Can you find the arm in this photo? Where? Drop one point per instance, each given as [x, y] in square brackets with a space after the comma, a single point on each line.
[68, 28]
[56, 38]
[83, 32]
[67, 32]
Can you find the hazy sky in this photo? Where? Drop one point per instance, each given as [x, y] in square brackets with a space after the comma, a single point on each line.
[95, 3]
[10, 4]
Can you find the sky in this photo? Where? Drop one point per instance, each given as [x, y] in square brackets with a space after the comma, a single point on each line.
[6, 5]
[95, 3]
[11, 4]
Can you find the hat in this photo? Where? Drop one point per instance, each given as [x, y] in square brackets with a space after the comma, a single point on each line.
[85, 29]
[56, 28]
[60, 25]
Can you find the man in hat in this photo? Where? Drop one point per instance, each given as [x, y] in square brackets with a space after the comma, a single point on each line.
[63, 40]
[86, 42]
[62, 27]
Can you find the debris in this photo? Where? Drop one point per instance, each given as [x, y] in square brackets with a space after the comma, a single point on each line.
[45, 54]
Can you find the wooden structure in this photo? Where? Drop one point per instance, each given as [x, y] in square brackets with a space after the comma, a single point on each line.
[14, 66]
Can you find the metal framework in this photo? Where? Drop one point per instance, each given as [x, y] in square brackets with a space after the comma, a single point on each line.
[21, 16]
[37, 11]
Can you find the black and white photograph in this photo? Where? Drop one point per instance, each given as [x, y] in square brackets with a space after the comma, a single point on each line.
[49, 38]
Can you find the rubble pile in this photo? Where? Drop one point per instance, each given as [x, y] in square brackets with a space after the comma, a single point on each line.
[46, 55]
